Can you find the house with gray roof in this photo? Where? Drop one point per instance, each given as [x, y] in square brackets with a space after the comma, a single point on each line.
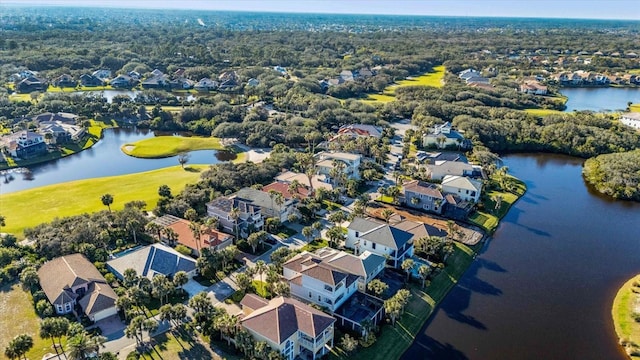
[424, 196]
[381, 239]
[440, 169]
[444, 136]
[269, 204]
[466, 188]
[292, 328]
[72, 279]
[249, 216]
[152, 260]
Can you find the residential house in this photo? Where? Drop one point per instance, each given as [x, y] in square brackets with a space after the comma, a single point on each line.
[61, 132]
[209, 238]
[443, 136]
[351, 163]
[72, 280]
[102, 74]
[466, 188]
[282, 188]
[122, 81]
[26, 144]
[135, 75]
[631, 119]
[366, 266]
[249, 216]
[228, 80]
[67, 118]
[360, 130]
[419, 230]
[90, 80]
[315, 281]
[423, 196]
[157, 72]
[23, 74]
[155, 82]
[379, 238]
[253, 82]
[347, 75]
[152, 260]
[366, 72]
[182, 83]
[281, 70]
[64, 80]
[206, 84]
[442, 168]
[294, 329]
[269, 205]
[533, 87]
[317, 181]
[32, 84]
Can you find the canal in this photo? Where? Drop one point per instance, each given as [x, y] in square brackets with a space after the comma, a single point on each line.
[543, 286]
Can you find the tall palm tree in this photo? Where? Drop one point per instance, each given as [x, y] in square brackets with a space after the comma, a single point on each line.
[196, 230]
[171, 235]
[107, 200]
[234, 214]
[78, 346]
[132, 225]
[387, 214]
[155, 229]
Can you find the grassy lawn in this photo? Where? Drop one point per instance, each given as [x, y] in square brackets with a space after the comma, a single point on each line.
[489, 218]
[177, 345]
[544, 112]
[165, 146]
[20, 97]
[315, 245]
[17, 316]
[83, 196]
[625, 305]
[635, 107]
[261, 288]
[428, 79]
[394, 341]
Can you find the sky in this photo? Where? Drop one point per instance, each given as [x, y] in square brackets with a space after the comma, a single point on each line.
[585, 9]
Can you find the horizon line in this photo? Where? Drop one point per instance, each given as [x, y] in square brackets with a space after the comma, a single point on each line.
[105, 6]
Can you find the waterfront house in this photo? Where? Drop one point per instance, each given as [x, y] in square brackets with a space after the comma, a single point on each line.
[443, 136]
[379, 238]
[206, 84]
[102, 74]
[152, 260]
[72, 280]
[466, 188]
[31, 84]
[292, 328]
[122, 81]
[423, 196]
[64, 80]
[442, 168]
[26, 144]
[89, 80]
[533, 87]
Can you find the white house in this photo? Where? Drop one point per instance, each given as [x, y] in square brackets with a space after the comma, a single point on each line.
[442, 136]
[442, 168]
[366, 265]
[379, 238]
[294, 329]
[271, 206]
[467, 189]
[631, 119]
[317, 282]
[326, 160]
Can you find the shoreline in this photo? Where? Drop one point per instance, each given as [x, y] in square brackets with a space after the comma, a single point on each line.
[626, 326]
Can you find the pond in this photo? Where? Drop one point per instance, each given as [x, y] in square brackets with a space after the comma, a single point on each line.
[600, 99]
[109, 94]
[104, 159]
[543, 286]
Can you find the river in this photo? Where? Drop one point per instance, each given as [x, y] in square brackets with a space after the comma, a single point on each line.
[104, 159]
[600, 99]
[543, 286]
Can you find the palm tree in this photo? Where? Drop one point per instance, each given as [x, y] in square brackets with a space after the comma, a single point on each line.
[107, 200]
[170, 235]
[46, 330]
[293, 188]
[307, 231]
[407, 265]
[132, 225]
[97, 342]
[180, 278]
[12, 351]
[260, 268]
[424, 272]
[78, 346]
[234, 214]
[452, 230]
[196, 230]
[387, 214]
[154, 228]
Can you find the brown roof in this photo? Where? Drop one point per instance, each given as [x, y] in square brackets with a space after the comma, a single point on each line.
[59, 275]
[324, 273]
[208, 237]
[99, 296]
[253, 302]
[283, 317]
[423, 188]
[419, 230]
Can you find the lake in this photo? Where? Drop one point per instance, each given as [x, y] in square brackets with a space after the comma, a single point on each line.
[600, 99]
[543, 286]
[104, 159]
[109, 94]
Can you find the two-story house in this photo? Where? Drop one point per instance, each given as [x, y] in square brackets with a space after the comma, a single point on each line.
[294, 329]
[315, 281]
[236, 213]
[365, 266]
[442, 168]
[424, 196]
[325, 163]
[208, 238]
[443, 136]
[379, 238]
[466, 188]
[27, 144]
[72, 279]
[631, 119]
[271, 205]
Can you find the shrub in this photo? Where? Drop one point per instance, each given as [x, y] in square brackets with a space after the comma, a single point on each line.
[183, 250]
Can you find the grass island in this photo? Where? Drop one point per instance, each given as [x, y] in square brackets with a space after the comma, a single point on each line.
[626, 316]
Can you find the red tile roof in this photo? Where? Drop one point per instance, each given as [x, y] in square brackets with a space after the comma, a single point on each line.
[283, 188]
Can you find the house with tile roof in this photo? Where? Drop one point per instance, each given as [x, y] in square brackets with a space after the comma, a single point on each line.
[466, 188]
[360, 130]
[380, 238]
[152, 260]
[424, 196]
[282, 188]
[209, 238]
[72, 279]
[289, 326]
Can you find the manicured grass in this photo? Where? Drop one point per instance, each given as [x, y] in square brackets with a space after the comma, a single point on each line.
[544, 112]
[489, 218]
[634, 71]
[176, 345]
[261, 288]
[635, 107]
[17, 316]
[434, 79]
[20, 97]
[315, 245]
[83, 196]
[393, 341]
[165, 146]
[625, 305]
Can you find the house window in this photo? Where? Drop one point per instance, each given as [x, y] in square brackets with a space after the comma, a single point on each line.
[67, 307]
[373, 246]
[59, 308]
[319, 298]
[310, 295]
[357, 233]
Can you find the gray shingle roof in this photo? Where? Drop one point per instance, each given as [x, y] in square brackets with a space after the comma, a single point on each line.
[363, 225]
[388, 236]
[151, 260]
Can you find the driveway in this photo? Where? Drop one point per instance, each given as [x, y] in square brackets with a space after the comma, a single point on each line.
[192, 287]
[221, 290]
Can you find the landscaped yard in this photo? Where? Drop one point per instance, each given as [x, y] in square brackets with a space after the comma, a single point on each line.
[314, 245]
[168, 347]
[394, 341]
[17, 316]
[624, 312]
[489, 218]
[83, 196]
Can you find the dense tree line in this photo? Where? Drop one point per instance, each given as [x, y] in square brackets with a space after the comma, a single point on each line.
[616, 175]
